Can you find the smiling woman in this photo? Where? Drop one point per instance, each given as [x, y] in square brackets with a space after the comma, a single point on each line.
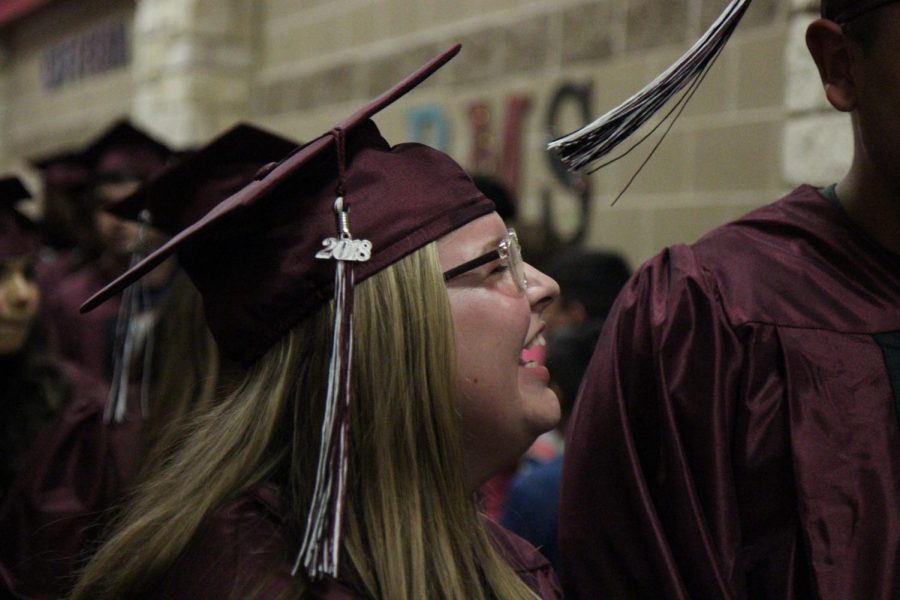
[496, 308]
[378, 396]
[30, 386]
[19, 297]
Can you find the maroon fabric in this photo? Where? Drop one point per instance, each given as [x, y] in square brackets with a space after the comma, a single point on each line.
[528, 563]
[16, 232]
[841, 11]
[253, 256]
[735, 436]
[184, 192]
[71, 479]
[85, 339]
[244, 543]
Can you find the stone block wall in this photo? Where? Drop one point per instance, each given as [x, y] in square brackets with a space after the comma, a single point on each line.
[320, 60]
[529, 70]
[40, 119]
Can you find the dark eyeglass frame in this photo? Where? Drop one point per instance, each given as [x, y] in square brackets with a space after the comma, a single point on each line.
[509, 252]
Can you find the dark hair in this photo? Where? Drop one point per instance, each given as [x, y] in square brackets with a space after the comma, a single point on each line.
[504, 200]
[569, 352]
[591, 278]
[863, 29]
[33, 390]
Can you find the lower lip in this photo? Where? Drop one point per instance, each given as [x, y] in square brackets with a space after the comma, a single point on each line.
[539, 372]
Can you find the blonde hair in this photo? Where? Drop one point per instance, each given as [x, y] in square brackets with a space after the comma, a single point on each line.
[185, 367]
[412, 529]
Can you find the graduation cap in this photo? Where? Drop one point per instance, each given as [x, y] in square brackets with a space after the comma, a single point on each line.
[174, 198]
[124, 152]
[16, 230]
[185, 191]
[303, 232]
[843, 11]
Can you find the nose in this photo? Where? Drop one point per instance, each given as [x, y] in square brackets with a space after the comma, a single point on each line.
[542, 289]
[21, 293]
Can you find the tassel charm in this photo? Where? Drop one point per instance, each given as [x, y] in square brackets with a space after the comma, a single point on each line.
[583, 150]
[320, 549]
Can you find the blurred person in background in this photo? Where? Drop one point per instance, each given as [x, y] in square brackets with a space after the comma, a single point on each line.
[33, 386]
[66, 226]
[89, 457]
[118, 161]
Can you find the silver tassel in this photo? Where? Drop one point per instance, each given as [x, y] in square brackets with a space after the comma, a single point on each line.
[320, 551]
[582, 150]
[123, 350]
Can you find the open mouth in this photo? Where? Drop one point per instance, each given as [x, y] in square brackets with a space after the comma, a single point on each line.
[533, 353]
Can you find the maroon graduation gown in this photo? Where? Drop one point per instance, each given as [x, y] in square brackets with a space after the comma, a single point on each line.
[736, 435]
[85, 339]
[244, 542]
[71, 479]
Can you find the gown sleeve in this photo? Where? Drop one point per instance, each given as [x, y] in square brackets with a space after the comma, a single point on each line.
[648, 504]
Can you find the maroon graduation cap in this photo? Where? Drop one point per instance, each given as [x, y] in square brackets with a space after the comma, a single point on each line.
[185, 191]
[252, 256]
[333, 213]
[124, 152]
[16, 230]
[842, 11]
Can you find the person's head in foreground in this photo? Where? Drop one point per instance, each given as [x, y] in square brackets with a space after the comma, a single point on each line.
[855, 49]
[437, 397]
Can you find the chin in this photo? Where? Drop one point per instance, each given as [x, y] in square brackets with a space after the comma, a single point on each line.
[545, 412]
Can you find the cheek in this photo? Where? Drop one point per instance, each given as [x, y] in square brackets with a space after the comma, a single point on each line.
[489, 331]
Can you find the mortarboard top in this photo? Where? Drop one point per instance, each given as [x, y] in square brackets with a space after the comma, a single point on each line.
[252, 257]
[16, 230]
[124, 152]
[842, 11]
[66, 170]
[185, 191]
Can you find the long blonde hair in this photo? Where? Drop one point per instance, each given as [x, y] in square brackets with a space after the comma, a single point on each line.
[412, 529]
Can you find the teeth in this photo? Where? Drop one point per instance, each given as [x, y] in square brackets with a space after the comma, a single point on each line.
[531, 364]
[538, 340]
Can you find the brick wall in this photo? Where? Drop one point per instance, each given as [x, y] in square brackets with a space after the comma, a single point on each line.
[529, 69]
[319, 60]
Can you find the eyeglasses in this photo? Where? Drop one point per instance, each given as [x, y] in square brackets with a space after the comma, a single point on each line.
[508, 252]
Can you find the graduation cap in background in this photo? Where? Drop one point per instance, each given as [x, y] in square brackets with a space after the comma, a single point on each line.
[124, 152]
[843, 11]
[17, 236]
[173, 199]
[333, 213]
[185, 191]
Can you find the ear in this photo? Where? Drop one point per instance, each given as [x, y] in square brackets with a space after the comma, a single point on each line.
[831, 49]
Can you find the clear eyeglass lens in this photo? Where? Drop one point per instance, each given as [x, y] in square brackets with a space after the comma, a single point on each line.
[514, 258]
